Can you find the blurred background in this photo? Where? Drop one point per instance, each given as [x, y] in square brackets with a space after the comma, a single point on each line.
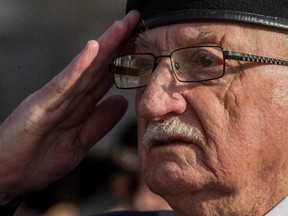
[38, 38]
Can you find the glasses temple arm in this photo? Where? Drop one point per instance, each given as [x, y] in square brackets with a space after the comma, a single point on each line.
[253, 58]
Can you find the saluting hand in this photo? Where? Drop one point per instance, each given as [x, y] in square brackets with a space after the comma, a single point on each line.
[51, 131]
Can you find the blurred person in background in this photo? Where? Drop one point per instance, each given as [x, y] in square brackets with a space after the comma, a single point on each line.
[68, 193]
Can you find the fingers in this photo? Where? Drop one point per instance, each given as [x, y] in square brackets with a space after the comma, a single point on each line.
[90, 66]
[112, 41]
[102, 120]
[61, 86]
[78, 110]
[110, 44]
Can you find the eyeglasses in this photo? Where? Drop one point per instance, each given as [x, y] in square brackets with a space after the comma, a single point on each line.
[190, 64]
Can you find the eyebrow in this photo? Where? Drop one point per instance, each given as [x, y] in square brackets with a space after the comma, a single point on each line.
[144, 40]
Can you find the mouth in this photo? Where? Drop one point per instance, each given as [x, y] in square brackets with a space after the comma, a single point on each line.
[169, 141]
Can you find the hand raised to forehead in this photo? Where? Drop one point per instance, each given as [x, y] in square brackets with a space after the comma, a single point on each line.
[51, 131]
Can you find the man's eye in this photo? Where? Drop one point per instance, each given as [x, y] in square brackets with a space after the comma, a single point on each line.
[207, 61]
[175, 65]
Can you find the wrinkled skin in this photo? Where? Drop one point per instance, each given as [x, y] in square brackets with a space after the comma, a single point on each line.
[239, 164]
[53, 129]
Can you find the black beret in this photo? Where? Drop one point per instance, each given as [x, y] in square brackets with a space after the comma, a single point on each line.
[269, 13]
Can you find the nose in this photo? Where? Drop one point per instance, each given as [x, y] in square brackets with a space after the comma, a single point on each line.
[162, 96]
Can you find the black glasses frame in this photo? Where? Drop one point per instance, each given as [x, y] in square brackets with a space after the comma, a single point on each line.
[231, 55]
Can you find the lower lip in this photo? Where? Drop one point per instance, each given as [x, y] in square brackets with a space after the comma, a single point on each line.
[172, 150]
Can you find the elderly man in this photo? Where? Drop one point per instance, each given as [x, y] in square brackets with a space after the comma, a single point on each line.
[212, 107]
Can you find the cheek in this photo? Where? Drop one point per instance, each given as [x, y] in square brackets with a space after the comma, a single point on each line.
[234, 124]
[244, 135]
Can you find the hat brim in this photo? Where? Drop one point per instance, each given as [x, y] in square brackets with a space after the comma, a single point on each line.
[209, 15]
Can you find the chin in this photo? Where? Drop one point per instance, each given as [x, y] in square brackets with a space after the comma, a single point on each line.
[167, 177]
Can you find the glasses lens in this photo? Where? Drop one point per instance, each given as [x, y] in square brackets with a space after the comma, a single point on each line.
[132, 71]
[198, 63]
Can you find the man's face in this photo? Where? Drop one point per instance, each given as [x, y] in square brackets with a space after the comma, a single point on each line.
[235, 128]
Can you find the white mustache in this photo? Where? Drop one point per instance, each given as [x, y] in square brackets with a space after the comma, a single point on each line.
[171, 128]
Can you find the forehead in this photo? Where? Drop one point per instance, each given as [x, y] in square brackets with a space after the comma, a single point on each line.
[181, 35]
